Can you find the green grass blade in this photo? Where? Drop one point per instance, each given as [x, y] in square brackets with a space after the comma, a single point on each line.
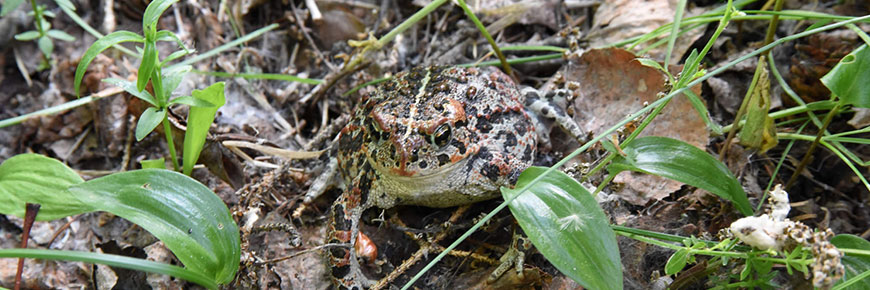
[112, 260]
[566, 225]
[198, 122]
[65, 4]
[98, 47]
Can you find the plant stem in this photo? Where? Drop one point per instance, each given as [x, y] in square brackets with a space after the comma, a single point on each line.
[504, 63]
[37, 17]
[167, 131]
[30, 211]
[806, 159]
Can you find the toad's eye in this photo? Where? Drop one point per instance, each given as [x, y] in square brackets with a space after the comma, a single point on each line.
[441, 135]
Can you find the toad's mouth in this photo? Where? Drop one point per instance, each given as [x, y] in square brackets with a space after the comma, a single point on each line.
[438, 174]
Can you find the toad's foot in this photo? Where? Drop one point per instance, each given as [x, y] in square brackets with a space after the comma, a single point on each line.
[513, 257]
[550, 106]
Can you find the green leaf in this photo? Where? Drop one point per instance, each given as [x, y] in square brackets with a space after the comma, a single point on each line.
[689, 69]
[27, 35]
[568, 228]
[199, 119]
[98, 47]
[159, 163]
[848, 79]
[149, 120]
[33, 178]
[173, 77]
[191, 101]
[10, 5]
[45, 45]
[147, 66]
[130, 87]
[173, 56]
[166, 35]
[59, 34]
[651, 63]
[153, 12]
[66, 4]
[680, 161]
[855, 264]
[190, 219]
[677, 262]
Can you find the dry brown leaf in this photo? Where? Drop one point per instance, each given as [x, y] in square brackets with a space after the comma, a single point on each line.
[617, 20]
[614, 85]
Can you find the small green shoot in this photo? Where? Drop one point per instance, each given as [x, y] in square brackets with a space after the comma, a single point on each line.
[164, 80]
[43, 34]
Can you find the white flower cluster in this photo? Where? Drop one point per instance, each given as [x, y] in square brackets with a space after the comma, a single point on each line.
[773, 231]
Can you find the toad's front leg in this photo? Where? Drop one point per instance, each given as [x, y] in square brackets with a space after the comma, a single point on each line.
[343, 228]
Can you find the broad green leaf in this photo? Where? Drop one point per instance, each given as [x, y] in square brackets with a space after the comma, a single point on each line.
[190, 219]
[848, 79]
[159, 163]
[10, 5]
[149, 120]
[130, 87]
[191, 101]
[680, 161]
[27, 35]
[66, 4]
[98, 47]
[199, 119]
[33, 178]
[153, 12]
[760, 131]
[568, 228]
[48, 13]
[855, 265]
[147, 66]
[61, 35]
[677, 262]
[45, 45]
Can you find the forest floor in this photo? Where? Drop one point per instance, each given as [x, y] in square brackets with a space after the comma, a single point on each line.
[265, 190]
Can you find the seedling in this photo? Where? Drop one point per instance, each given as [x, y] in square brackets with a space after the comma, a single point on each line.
[43, 33]
[204, 104]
